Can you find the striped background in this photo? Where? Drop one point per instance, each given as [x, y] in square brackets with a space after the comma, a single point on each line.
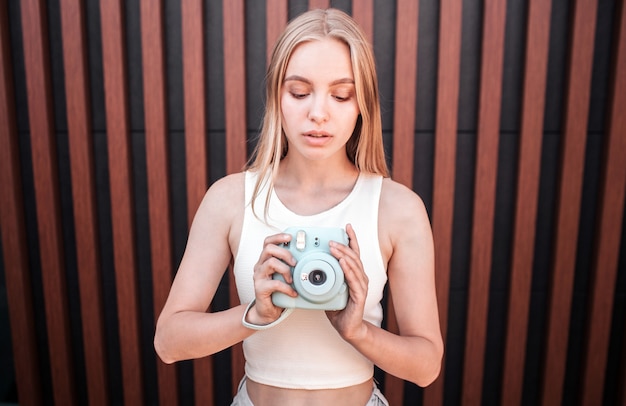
[507, 117]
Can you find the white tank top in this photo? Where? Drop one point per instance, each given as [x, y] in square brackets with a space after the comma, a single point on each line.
[305, 351]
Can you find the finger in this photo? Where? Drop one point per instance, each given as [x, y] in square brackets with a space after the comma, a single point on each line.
[353, 273]
[270, 267]
[339, 251]
[352, 240]
[267, 287]
[273, 247]
[277, 239]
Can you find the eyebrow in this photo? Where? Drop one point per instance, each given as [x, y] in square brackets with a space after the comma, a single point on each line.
[307, 81]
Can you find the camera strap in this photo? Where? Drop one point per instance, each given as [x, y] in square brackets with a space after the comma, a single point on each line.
[283, 316]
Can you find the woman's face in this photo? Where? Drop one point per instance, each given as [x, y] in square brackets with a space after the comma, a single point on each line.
[318, 100]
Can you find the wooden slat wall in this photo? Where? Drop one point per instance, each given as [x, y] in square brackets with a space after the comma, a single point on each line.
[529, 166]
[484, 197]
[570, 191]
[276, 17]
[14, 243]
[46, 241]
[84, 194]
[122, 198]
[610, 218]
[44, 152]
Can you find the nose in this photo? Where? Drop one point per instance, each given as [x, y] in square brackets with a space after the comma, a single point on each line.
[319, 109]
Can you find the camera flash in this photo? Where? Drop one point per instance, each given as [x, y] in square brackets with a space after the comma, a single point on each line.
[300, 240]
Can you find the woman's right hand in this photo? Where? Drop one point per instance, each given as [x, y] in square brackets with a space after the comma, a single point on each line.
[274, 258]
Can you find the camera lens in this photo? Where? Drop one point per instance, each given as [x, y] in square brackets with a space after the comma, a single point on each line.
[317, 277]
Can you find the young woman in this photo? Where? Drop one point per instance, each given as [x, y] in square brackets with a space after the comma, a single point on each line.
[319, 162]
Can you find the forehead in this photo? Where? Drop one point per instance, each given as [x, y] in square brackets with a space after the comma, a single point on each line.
[326, 59]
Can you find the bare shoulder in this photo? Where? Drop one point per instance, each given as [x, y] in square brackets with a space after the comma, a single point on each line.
[221, 210]
[402, 217]
[225, 194]
[399, 203]
[229, 185]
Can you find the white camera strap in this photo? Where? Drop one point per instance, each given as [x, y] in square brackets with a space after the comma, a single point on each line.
[279, 320]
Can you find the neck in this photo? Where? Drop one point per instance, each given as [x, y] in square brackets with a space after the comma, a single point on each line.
[314, 173]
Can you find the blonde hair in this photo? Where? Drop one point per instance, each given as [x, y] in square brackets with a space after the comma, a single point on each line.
[365, 147]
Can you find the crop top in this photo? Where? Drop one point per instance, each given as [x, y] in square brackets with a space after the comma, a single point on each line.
[305, 351]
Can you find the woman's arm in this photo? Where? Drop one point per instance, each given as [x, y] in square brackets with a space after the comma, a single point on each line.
[406, 240]
[186, 329]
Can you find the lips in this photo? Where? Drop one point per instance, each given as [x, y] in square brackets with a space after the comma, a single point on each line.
[317, 134]
[317, 138]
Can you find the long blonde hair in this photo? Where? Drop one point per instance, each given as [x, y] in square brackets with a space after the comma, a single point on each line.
[365, 147]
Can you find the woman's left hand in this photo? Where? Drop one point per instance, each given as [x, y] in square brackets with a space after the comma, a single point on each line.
[349, 321]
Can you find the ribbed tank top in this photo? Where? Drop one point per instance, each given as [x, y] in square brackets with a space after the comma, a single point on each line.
[305, 351]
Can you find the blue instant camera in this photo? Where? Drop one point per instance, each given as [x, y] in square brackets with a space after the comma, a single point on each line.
[317, 276]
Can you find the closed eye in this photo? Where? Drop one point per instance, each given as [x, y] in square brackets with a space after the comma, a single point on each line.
[342, 98]
[298, 95]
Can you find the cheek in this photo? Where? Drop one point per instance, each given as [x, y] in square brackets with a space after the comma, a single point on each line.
[288, 107]
[352, 117]
[285, 112]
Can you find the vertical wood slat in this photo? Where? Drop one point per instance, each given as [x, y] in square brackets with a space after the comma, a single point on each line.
[235, 85]
[84, 198]
[363, 14]
[13, 229]
[405, 86]
[607, 250]
[39, 92]
[449, 64]
[194, 84]
[236, 131]
[528, 172]
[403, 132]
[569, 198]
[484, 197]
[276, 17]
[315, 4]
[157, 166]
[121, 189]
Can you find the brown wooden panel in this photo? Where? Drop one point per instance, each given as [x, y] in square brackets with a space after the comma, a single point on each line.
[235, 85]
[570, 190]
[528, 172]
[194, 83]
[494, 16]
[235, 101]
[405, 88]
[275, 21]
[121, 189]
[363, 14]
[609, 231]
[403, 132]
[45, 173]
[445, 165]
[84, 198]
[157, 166]
[13, 229]
[315, 4]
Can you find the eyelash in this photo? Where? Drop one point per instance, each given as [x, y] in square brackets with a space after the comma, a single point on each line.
[300, 96]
